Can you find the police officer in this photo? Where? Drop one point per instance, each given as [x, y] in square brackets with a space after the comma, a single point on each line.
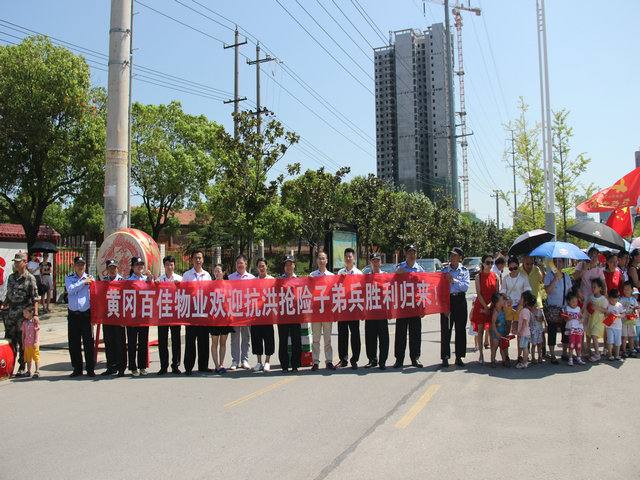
[22, 291]
[79, 329]
[376, 330]
[458, 277]
[115, 341]
[413, 324]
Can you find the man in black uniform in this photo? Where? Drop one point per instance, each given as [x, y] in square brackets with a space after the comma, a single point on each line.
[115, 340]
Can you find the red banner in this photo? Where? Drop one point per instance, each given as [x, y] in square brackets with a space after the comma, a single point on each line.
[270, 301]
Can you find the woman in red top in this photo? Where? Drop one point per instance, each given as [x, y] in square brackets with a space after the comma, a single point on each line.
[486, 286]
[613, 277]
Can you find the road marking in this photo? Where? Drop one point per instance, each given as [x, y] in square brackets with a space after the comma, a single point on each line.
[417, 407]
[259, 392]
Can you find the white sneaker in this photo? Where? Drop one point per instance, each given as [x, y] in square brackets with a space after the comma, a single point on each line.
[570, 362]
[246, 365]
[143, 372]
[233, 366]
[135, 373]
[257, 368]
[266, 367]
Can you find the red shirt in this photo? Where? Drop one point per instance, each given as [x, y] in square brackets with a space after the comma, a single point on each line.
[614, 280]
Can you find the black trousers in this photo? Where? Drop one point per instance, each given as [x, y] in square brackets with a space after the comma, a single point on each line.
[284, 331]
[201, 334]
[457, 318]
[343, 340]
[14, 334]
[414, 326]
[80, 334]
[163, 346]
[374, 331]
[115, 347]
[552, 332]
[263, 340]
[138, 337]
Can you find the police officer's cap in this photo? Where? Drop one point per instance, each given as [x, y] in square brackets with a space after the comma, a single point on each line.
[457, 251]
[374, 256]
[136, 260]
[288, 258]
[111, 262]
[79, 259]
[410, 247]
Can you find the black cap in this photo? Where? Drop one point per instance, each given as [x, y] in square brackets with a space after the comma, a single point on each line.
[410, 247]
[375, 255]
[79, 259]
[136, 260]
[457, 251]
[111, 262]
[288, 258]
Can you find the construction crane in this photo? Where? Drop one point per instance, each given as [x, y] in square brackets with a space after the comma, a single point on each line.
[457, 10]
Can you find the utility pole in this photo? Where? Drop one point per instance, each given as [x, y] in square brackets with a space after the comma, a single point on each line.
[130, 120]
[550, 222]
[451, 107]
[236, 82]
[116, 175]
[513, 165]
[257, 62]
[496, 194]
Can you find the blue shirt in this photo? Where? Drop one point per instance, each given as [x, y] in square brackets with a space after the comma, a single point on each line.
[79, 296]
[416, 267]
[460, 278]
[133, 276]
[558, 293]
[107, 278]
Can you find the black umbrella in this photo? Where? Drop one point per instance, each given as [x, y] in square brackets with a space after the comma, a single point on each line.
[530, 240]
[44, 247]
[597, 233]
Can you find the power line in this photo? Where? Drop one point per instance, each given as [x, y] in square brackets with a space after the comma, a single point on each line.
[324, 48]
[334, 41]
[368, 19]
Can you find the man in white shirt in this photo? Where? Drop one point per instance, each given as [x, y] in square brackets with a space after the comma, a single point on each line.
[322, 328]
[354, 325]
[163, 330]
[240, 333]
[199, 333]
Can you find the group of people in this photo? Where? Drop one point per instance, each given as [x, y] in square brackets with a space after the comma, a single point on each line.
[523, 302]
[526, 304]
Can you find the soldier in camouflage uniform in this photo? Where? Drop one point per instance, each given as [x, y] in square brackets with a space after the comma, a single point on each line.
[22, 291]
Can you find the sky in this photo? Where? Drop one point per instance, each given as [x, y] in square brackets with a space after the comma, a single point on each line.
[321, 85]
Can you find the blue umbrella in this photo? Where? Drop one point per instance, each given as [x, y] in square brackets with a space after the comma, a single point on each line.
[559, 250]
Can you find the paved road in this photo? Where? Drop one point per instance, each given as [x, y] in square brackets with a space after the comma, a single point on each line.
[470, 422]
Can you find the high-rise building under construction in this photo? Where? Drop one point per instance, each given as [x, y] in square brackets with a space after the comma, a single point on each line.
[413, 146]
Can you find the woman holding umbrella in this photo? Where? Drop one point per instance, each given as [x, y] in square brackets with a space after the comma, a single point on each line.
[486, 286]
[557, 285]
[586, 272]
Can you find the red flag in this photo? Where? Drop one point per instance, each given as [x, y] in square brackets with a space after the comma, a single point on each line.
[620, 221]
[609, 320]
[623, 193]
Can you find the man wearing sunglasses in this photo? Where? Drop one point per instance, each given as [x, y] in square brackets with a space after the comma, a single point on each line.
[458, 277]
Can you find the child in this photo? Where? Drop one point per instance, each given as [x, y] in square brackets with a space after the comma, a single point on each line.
[614, 331]
[31, 341]
[596, 306]
[536, 327]
[574, 328]
[498, 328]
[629, 321]
[529, 310]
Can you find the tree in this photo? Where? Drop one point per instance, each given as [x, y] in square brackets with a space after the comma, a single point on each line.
[318, 200]
[529, 169]
[370, 198]
[566, 172]
[173, 156]
[244, 192]
[52, 134]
